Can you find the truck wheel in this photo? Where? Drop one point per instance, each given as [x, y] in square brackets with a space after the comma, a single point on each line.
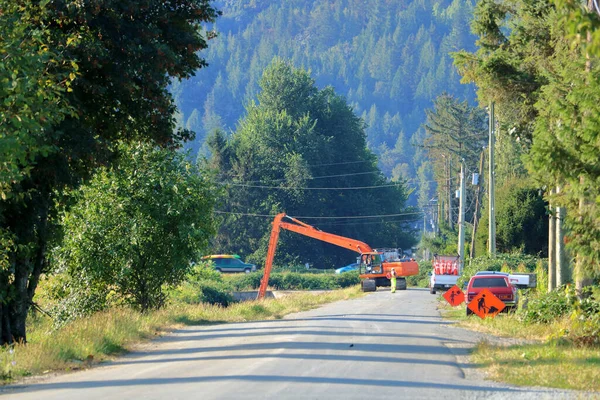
[368, 285]
[401, 284]
[432, 290]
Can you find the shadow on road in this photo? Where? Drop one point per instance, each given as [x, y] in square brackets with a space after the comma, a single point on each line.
[285, 330]
[375, 383]
[311, 346]
[320, 357]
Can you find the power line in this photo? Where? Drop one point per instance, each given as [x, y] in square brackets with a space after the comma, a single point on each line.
[313, 217]
[340, 163]
[371, 222]
[307, 188]
[311, 178]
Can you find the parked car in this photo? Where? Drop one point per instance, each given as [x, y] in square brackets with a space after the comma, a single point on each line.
[230, 263]
[348, 268]
[497, 283]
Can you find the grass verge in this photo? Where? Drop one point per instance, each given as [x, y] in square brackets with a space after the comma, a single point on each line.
[103, 335]
[551, 364]
[549, 361]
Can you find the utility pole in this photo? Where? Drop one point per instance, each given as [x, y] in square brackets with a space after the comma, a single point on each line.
[477, 203]
[552, 270]
[450, 219]
[461, 218]
[492, 182]
[559, 245]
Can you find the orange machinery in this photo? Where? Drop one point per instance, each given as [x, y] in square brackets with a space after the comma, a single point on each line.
[373, 271]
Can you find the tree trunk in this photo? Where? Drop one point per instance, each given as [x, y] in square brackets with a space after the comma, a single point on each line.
[29, 223]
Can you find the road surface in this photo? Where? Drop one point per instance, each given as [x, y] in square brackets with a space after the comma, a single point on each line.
[382, 346]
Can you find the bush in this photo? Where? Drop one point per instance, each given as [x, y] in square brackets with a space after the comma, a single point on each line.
[249, 281]
[205, 291]
[294, 281]
[584, 313]
[347, 279]
[546, 308]
[203, 285]
[422, 278]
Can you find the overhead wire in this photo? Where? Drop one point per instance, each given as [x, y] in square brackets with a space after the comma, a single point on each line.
[317, 217]
[341, 163]
[307, 188]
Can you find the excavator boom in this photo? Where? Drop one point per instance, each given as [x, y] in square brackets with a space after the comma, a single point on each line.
[306, 230]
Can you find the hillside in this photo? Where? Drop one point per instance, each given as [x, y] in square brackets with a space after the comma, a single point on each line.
[389, 58]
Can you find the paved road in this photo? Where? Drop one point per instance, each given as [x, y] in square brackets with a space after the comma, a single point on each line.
[381, 346]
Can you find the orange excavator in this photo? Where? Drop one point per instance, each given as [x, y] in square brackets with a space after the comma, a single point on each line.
[374, 271]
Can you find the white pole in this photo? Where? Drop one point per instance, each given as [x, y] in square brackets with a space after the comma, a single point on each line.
[461, 218]
[492, 181]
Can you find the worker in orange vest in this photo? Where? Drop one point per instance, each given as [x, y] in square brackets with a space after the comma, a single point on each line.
[393, 279]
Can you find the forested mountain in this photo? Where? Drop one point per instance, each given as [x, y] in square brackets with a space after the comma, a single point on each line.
[389, 58]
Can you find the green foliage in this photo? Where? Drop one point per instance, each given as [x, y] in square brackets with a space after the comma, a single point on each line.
[71, 89]
[444, 242]
[203, 284]
[521, 220]
[584, 313]
[581, 24]
[546, 308]
[508, 68]
[455, 133]
[288, 142]
[295, 281]
[137, 227]
[204, 291]
[566, 147]
[34, 79]
[538, 62]
[422, 278]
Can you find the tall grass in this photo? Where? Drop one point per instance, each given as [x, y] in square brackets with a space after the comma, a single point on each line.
[105, 334]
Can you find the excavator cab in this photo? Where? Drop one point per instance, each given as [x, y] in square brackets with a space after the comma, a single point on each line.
[371, 263]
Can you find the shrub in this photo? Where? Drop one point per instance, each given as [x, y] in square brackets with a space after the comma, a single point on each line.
[203, 285]
[205, 291]
[584, 313]
[422, 278]
[347, 279]
[294, 281]
[546, 307]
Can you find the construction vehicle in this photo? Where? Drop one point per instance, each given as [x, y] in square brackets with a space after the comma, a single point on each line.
[373, 271]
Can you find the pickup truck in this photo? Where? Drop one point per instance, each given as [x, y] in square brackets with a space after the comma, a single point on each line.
[441, 282]
[444, 274]
[519, 280]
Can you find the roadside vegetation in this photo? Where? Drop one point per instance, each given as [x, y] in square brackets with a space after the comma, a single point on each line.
[557, 333]
[105, 334]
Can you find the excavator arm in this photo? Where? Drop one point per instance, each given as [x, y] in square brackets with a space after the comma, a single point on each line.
[304, 229]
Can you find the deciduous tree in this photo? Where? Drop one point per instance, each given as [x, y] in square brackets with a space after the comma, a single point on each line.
[125, 53]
